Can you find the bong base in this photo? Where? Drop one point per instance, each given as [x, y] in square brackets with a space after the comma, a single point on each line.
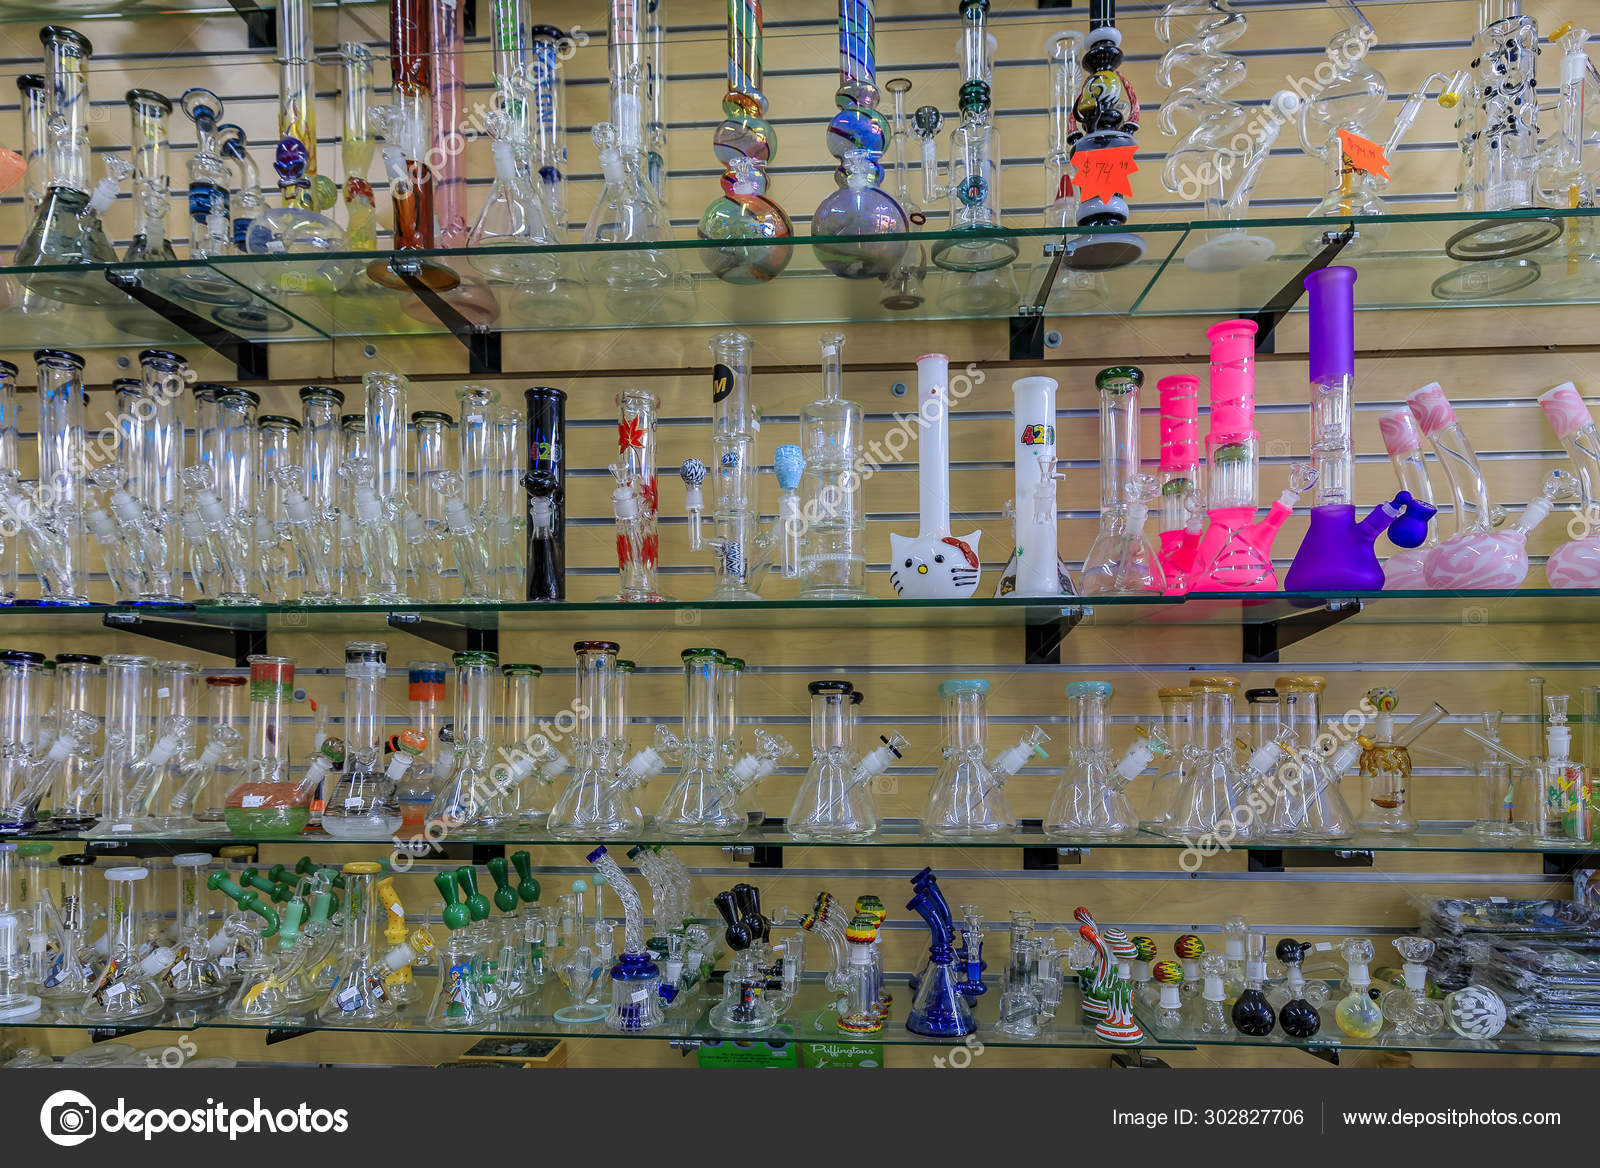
[1484, 281]
[983, 250]
[1230, 251]
[1498, 239]
[1100, 253]
[435, 276]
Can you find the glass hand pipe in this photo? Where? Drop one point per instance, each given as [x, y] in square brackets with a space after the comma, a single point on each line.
[1091, 802]
[38, 776]
[972, 180]
[939, 1009]
[1035, 568]
[1408, 1007]
[1235, 552]
[1475, 1012]
[1337, 551]
[934, 564]
[1218, 160]
[1358, 1014]
[1105, 117]
[1121, 560]
[1576, 563]
[745, 142]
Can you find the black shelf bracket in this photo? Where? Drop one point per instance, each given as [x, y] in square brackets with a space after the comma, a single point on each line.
[277, 1034]
[1277, 859]
[1261, 641]
[1043, 631]
[1137, 1060]
[1566, 863]
[236, 642]
[458, 638]
[1289, 295]
[111, 1033]
[482, 344]
[260, 23]
[249, 357]
[1027, 334]
[483, 853]
[1328, 1054]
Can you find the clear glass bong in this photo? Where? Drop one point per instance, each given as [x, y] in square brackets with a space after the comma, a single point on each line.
[1210, 797]
[127, 986]
[968, 797]
[468, 791]
[210, 203]
[833, 554]
[701, 803]
[67, 229]
[973, 186]
[830, 805]
[1307, 803]
[593, 804]
[1091, 801]
[195, 973]
[1386, 764]
[360, 993]
[635, 500]
[148, 112]
[58, 543]
[364, 802]
[1121, 560]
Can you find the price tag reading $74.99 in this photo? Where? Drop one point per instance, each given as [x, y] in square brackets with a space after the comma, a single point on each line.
[1104, 174]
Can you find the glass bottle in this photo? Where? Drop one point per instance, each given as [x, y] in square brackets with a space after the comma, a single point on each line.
[1210, 798]
[360, 992]
[700, 802]
[1091, 801]
[1177, 705]
[148, 112]
[469, 791]
[365, 803]
[1408, 1007]
[80, 690]
[1121, 559]
[267, 801]
[59, 553]
[1357, 1014]
[833, 559]
[1386, 764]
[966, 799]
[636, 498]
[127, 986]
[195, 974]
[67, 229]
[593, 805]
[1252, 1013]
[828, 805]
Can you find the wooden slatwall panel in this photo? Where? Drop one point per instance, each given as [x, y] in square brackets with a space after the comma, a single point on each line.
[1493, 364]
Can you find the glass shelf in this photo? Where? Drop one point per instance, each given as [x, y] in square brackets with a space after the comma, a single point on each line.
[535, 1019]
[1432, 836]
[1331, 1039]
[593, 617]
[1402, 260]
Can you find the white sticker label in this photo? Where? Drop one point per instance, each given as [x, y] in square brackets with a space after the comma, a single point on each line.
[354, 803]
[639, 995]
[1497, 900]
[116, 989]
[226, 962]
[348, 997]
[128, 827]
[397, 910]
[178, 967]
[1323, 946]
[163, 692]
[252, 800]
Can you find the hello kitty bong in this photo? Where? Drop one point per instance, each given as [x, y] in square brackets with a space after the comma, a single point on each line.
[935, 564]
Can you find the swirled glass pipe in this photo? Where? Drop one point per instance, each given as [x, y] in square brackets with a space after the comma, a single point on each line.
[745, 142]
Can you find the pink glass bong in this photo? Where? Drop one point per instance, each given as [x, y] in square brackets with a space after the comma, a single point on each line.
[1401, 438]
[1235, 552]
[934, 565]
[1337, 551]
[1476, 556]
[1179, 476]
[1576, 563]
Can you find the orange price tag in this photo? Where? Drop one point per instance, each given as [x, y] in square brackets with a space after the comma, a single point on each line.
[1364, 154]
[1104, 174]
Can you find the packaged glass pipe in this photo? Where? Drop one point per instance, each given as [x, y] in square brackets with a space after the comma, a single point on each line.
[1091, 801]
[1121, 559]
[1235, 552]
[67, 228]
[832, 519]
[1035, 568]
[1104, 117]
[1386, 764]
[973, 176]
[635, 500]
[1476, 555]
[1218, 159]
[700, 802]
[592, 803]
[629, 208]
[1576, 563]
[406, 124]
[744, 549]
[857, 136]
[1337, 551]
[745, 143]
[935, 564]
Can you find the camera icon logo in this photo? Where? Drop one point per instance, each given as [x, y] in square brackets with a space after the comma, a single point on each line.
[68, 1118]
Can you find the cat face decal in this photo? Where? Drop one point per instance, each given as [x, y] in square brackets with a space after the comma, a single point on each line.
[935, 567]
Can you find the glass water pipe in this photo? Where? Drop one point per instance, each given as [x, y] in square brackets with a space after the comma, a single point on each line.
[636, 496]
[700, 803]
[1576, 563]
[1476, 555]
[1404, 569]
[935, 564]
[1035, 568]
[1386, 764]
[593, 804]
[967, 798]
[148, 112]
[939, 1008]
[1178, 476]
[745, 143]
[471, 788]
[1105, 117]
[1121, 559]
[832, 513]
[357, 146]
[1337, 550]
[1091, 801]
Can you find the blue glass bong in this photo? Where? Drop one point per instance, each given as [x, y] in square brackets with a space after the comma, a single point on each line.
[940, 1009]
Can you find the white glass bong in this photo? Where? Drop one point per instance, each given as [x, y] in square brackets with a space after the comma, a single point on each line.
[1091, 802]
[934, 564]
[1035, 568]
[832, 520]
[1576, 563]
[743, 547]
[1217, 161]
[1121, 560]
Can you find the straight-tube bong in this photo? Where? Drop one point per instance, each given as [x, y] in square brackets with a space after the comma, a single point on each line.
[744, 550]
